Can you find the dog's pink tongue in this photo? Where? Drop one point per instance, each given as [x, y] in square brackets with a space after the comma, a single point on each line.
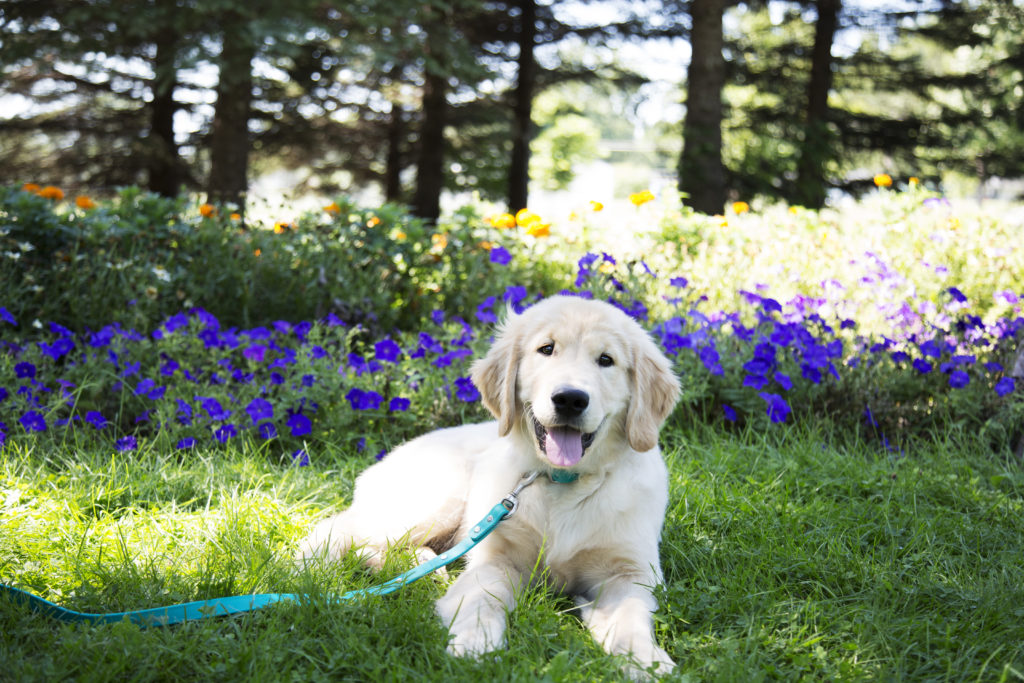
[564, 446]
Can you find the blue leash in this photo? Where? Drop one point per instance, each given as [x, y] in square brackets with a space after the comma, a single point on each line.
[217, 607]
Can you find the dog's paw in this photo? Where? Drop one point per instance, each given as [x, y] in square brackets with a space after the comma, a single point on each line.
[474, 643]
[650, 665]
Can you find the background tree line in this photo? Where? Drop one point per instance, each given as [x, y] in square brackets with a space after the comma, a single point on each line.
[787, 100]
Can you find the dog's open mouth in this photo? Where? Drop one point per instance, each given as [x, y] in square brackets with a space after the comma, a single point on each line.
[563, 446]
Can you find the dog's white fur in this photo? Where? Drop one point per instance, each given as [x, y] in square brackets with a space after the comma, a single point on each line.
[597, 537]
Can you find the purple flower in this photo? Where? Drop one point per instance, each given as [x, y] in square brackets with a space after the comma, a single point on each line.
[730, 413]
[259, 409]
[957, 295]
[6, 316]
[25, 370]
[33, 421]
[484, 313]
[267, 430]
[125, 444]
[922, 366]
[778, 408]
[465, 390]
[959, 379]
[96, 419]
[363, 400]
[225, 432]
[783, 381]
[1005, 386]
[300, 458]
[214, 409]
[299, 424]
[398, 404]
[387, 350]
[500, 255]
[255, 352]
[679, 282]
[755, 381]
[187, 442]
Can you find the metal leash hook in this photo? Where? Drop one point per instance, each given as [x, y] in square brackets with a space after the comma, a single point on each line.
[511, 501]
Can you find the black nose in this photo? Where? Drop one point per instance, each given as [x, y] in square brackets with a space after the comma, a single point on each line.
[570, 402]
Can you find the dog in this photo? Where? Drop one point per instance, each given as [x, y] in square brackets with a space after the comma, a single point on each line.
[579, 392]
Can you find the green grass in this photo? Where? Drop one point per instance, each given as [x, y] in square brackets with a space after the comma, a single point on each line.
[786, 557]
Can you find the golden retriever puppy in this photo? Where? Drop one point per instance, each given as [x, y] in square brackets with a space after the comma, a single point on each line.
[579, 391]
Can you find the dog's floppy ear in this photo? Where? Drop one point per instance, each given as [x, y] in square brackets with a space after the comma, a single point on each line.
[655, 392]
[495, 375]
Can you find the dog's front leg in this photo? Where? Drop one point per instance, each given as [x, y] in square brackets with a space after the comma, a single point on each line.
[619, 615]
[475, 607]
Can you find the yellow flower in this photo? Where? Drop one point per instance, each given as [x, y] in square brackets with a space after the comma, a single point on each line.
[207, 210]
[31, 187]
[439, 241]
[740, 208]
[525, 218]
[373, 222]
[485, 245]
[596, 206]
[280, 227]
[914, 181]
[502, 221]
[641, 198]
[606, 268]
[257, 252]
[51, 192]
[399, 235]
[794, 210]
[883, 180]
[84, 202]
[538, 229]
[333, 208]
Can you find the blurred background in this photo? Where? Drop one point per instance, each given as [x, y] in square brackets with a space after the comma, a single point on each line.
[430, 101]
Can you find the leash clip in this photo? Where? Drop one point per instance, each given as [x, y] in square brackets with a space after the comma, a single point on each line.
[511, 501]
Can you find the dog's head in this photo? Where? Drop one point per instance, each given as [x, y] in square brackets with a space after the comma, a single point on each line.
[572, 374]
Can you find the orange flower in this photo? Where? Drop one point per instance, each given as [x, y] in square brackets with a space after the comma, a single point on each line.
[485, 245]
[235, 216]
[207, 210]
[883, 180]
[280, 227]
[914, 181]
[538, 229]
[641, 198]
[31, 187]
[84, 202]
[439, 241]
[372, 222]
[333, 208]
[51, 192]
[257, 252]
[740, 208]
[502, 221]
[525, 218]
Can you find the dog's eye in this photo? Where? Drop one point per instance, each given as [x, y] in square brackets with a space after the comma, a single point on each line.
[604, 360]
[546, 350]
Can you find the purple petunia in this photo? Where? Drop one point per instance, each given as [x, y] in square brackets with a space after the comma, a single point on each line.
[501, 256]
[126, 443]
[364, 400]
[33, 421]
[730, 412]
[398, 404]
[922, 366]
[465, 390]
[299, 424]
[387, 350]
[778, 409]
[959, 379]
[186, 443]
[300, 458]
[225, 432]
[96, 419]
[259, 409]
[1005, 386]
[25, 370]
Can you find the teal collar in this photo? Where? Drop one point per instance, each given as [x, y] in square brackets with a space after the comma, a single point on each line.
[560, 476]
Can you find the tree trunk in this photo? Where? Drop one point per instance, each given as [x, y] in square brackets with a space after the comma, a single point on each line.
[701, 175]
[430, 162]
[229, 145]
[522, 108]
[816, 148]
[165, 167]
[393, 162]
